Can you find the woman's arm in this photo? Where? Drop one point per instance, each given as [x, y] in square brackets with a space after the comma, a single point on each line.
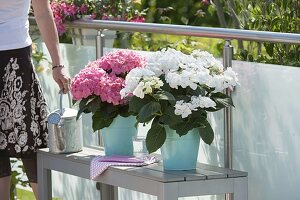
[44, 18]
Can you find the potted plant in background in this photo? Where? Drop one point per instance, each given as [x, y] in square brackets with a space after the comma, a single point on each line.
[70, 10]
[175, 92]
[97, 87]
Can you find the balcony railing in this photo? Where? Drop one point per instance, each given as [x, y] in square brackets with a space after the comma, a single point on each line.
[224, 33]
[183, 30]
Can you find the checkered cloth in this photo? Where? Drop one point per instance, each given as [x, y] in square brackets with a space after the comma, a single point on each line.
[100, 163]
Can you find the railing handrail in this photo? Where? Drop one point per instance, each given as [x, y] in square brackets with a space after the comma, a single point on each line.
[185, 30]
[211, 32]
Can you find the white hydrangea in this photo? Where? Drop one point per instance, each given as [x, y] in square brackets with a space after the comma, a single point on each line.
[156, 82]
[207, 60]
[217, 82]
[146, 86]
[226, 80]
[200, 75]
[139, 90]
[180, 70]
[173, 79]
[231, 77]
[202, 102]
[202, 54]
[181, 78]
[163, 61]
[133, 79]
[185, 108]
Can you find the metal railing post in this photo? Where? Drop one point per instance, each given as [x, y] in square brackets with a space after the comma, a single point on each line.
[227, 62]
[106, 191]
[99, 43]
[99, 54]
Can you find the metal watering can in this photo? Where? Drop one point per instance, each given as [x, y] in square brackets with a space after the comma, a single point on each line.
[65, 132]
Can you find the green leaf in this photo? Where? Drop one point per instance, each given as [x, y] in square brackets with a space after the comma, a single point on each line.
[165, 87]
[93, 104]
[99, 122]
[227, 101]
[164, 95]
[198, 91]
[109, 108]
[123, 111]
[270, 49]
[198, 118]
[182, 128]
[148, 111]
[222, 100]
[169, 117]
[136, 103]
[82, 108]
[87, 105]
[156, 137]
[207, 134]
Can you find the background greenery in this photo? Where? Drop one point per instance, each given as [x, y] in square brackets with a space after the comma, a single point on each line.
[27, 195]
[261, 15]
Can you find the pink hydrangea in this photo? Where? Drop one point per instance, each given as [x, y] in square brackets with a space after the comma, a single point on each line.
[121, 61]
[111, 90]
[87, 82]
[105, 77]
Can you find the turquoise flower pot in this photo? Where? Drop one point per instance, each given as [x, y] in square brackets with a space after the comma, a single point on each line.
[180, 153]
[117, 138]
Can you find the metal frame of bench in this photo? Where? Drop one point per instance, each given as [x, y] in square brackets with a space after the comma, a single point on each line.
[151, 179]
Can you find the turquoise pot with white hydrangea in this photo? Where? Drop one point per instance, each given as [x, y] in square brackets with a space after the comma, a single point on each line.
[178, 90]
[180, 153]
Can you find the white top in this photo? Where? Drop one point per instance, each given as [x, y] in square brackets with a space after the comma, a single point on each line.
[14, 24]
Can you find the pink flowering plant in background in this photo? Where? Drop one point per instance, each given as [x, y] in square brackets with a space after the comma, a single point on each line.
[117, 10]
[97, 87]
[66, 10]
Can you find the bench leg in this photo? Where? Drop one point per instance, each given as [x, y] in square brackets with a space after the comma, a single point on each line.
[108, 192]
[168, 191]
[44, 180]
[241, 188]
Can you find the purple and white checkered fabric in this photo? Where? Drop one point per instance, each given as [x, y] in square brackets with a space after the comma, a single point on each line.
[100, 163]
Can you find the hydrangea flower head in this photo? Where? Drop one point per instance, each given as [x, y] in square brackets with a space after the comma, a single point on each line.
[121, 61]
[181, 72]
[105, 77]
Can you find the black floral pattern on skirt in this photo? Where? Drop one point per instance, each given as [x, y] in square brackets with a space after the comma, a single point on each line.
[23, 109]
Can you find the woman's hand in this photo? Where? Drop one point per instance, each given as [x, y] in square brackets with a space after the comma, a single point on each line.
[61, 78]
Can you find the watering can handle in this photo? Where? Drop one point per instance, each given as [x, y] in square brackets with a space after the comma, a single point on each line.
[60, 101]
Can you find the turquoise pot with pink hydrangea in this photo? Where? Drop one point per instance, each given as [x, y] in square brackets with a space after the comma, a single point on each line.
[97, 88]
[117, 138]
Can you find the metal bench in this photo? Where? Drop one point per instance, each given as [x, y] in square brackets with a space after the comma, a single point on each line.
[151, 179]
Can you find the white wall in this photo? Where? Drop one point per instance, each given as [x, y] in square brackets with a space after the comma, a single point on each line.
[266, 131]
[266, 126]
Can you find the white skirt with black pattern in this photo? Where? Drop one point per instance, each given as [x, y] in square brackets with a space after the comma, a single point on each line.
[23, 109]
